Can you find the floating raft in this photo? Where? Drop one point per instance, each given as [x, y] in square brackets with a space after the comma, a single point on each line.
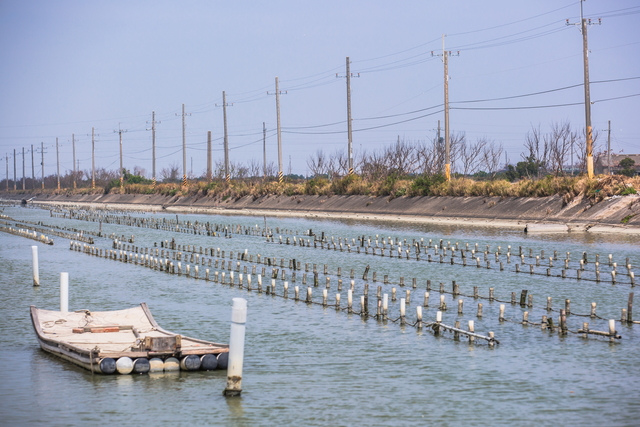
[122, 341]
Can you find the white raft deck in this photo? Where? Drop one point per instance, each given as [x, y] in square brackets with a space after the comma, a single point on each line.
[86, 338]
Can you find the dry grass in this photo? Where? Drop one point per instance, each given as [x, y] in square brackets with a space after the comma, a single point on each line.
[568, 187]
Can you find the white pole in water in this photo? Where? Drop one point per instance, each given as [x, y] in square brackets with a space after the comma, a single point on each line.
[236, 347]
[64, 292]
[36, 272]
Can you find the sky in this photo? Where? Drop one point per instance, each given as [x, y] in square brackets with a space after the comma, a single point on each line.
[68, 66]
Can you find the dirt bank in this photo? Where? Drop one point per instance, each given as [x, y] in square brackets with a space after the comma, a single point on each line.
[616, 214]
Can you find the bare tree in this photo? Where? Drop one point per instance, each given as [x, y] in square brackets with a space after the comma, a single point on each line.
[374, 165]
[491, 155]
[271, 169]
[581, 147]
[140, 171]
[428, 158]
[401, 157]
[317, 163]
[340, 163]
[255, 168]
[455, 143]
[238, 170]
[560, 140]
[171, 173]
[538, 149]
[471, 155]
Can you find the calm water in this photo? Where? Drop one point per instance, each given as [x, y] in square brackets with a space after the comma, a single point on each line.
[309, 365]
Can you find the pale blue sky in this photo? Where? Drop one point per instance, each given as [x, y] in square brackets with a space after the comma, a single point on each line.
[68, 66]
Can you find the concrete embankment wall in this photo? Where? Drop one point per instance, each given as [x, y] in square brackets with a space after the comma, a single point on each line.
[519, 209]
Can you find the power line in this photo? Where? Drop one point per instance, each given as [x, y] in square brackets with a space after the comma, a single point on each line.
[545, 91]
[367, 128]
[518, 108]
[480, 45]
[544, 106]
[512, 23]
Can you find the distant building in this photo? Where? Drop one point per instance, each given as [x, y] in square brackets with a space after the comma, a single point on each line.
[602, 167]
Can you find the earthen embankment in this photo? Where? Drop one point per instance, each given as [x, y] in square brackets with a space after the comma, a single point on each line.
[612, 214]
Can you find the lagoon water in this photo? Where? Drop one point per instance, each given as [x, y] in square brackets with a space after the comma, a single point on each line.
[309, 365]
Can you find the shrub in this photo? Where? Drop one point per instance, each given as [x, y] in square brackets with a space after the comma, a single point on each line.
[627, 166]
[628, 190]
[316, 186]
[422, 185]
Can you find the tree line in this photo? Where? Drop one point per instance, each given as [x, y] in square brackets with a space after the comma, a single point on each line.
[559, 151]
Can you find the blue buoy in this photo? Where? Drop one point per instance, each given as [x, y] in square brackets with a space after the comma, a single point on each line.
[108, 365]
[208, 362]
[223, 360]
[190, 363]
[141, 366]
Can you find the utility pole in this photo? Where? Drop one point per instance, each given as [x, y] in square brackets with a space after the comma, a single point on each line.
[153, 148]
[58, 162]
[15, 185]
[93, 158]
[33, 170]
[7, 162]
[209, 159]
[24, 180]
[447, 137]
[277, 94]
[227, 173]
[264, 150]
[349, 120]
[439, 142]
[350, 136]
[609, 147]
[73, 144]
[42, 162]
[184, 148]
[587, 96]
[119, 131]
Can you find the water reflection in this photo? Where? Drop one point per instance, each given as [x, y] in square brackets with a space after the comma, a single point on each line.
[235, 406]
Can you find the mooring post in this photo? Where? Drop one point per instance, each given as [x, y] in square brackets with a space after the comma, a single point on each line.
[64, 292]
[436, 327]
[612, 329]
[491, 339]
[563, 322]
[36, 271]
[236, 348]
